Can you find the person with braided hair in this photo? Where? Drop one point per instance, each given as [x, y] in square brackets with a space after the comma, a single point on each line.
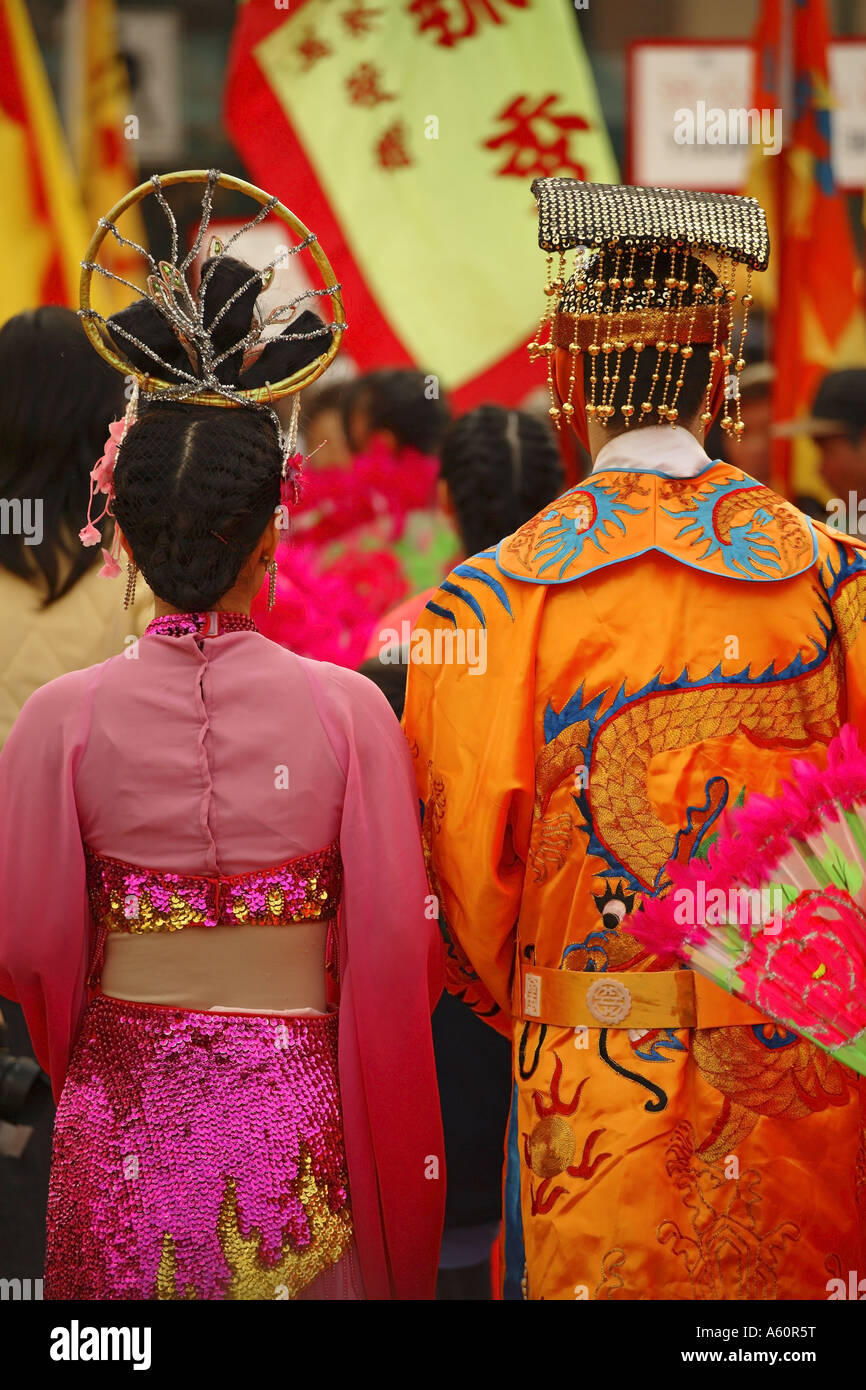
[213, 904]
[498, 468]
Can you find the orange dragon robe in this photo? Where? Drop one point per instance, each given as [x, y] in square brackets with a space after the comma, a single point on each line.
[583, 703]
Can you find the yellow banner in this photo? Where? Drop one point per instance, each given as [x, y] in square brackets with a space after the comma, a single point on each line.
[43, 232]
[425, 122]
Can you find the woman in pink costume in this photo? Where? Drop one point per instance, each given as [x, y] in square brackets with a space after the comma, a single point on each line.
[212, 894]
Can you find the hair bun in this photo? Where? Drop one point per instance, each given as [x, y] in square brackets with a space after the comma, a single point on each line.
[227, 294]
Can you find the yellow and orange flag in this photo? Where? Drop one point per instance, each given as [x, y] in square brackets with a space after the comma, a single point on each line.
[43, 230]
[103, 129]
[406, 134]
[816, 289]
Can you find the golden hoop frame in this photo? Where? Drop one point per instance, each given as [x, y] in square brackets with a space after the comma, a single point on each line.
[271, 391]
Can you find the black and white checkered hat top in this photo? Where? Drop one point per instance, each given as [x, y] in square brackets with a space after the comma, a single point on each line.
[572, 213]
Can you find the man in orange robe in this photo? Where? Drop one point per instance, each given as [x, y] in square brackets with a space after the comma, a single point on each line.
[584, 701]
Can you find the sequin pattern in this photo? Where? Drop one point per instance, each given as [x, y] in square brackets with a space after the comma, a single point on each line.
[197, 1156]
[125, 898]
[199, 624]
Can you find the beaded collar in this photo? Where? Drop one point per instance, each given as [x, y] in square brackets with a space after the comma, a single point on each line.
[199, 624]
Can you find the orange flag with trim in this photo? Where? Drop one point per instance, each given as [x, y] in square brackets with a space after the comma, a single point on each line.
[43, 231]
[817, 280]
[102, 131]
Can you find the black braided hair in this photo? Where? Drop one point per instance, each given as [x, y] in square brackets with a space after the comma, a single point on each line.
[501, 468]
[195, 488]
[196, 485]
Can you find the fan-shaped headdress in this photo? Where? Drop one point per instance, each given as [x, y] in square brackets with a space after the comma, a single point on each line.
[209, 347]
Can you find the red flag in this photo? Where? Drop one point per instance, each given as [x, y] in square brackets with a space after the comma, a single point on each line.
[819, 321]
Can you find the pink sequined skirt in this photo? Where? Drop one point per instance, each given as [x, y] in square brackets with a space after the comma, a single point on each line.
[199, 1156]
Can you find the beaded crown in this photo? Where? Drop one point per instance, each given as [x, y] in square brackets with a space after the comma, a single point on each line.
[643, 279]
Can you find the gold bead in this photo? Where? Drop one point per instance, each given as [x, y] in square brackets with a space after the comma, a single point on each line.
[649, 284]
[593, 349]
[663, 410]
[661, 345]
[718, 291]
[727, 357]
[567, 408]
[638, 345]
[629, 282]
[671, 282]
[687, 351]
[646, 407]
[554, 412]
[714, 354]
[748, 299]
[628, 410]
[706, 417]
[591, 410]
[615, 282]
[600, 285]
[739, 427]
[740, 363]
[619, 345]
[606, 345]
[726, 422]
[684, 284]
[732, 294]
[672, 413]
[574, 349]
[673, 347]
[580, 286]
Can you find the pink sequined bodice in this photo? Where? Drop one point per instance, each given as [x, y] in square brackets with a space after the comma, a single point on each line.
[126, 898]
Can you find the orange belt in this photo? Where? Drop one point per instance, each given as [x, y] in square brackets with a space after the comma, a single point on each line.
[628, 999]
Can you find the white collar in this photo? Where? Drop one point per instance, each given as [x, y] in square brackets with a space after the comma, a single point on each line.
[667, 449]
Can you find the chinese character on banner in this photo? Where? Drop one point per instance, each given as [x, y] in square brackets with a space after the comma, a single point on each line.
[358, 20]
[530, 158]
[363, 86]
[311, 49]
[408, 148]
[447, 15]
[391, 150]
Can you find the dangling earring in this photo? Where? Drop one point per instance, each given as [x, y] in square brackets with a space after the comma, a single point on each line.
[131, 576]
[271, 567]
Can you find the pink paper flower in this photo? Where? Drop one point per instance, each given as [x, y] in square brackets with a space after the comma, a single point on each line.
[89, 535]
[103, 471]
[111, 569]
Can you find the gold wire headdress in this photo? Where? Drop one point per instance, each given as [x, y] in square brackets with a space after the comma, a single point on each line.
[168, 291]
[616, 299]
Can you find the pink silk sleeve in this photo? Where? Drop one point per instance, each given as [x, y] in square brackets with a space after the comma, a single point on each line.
[391, 974]
[44, 913]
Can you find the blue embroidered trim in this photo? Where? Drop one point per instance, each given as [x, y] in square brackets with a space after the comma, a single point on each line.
[468, 570]
[747, 548]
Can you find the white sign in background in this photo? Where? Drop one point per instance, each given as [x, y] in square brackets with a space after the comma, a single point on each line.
[702, 78]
